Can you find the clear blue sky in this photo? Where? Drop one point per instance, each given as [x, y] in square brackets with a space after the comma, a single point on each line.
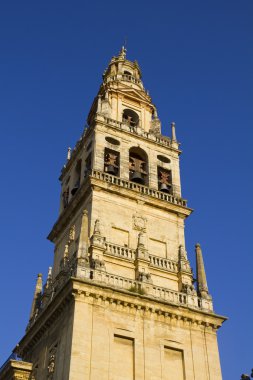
[197, 63]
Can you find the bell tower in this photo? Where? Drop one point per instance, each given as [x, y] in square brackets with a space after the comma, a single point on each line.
[120, 301]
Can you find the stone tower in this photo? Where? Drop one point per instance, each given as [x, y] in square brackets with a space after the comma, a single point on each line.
[119, 302]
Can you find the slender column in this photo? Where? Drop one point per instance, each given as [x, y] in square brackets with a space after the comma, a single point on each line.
[83, 240]
[173, 131]
[201, 274]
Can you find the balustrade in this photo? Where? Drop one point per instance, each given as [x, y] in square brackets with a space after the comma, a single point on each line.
[166, 141]
[138, 188]
[163, 263]
[119, 251]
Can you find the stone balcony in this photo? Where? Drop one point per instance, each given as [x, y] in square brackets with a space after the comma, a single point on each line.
[137, 130]
[125, 78]
[127, 253]
[145, 190]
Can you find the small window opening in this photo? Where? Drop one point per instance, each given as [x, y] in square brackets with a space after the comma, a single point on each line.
[138, 166]
[77, 177]
[111, 162]
[130, 117]
[164, 180]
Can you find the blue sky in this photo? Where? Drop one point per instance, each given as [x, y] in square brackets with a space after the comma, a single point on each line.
[196, 59]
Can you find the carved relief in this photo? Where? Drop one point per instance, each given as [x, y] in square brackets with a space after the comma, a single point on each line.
[139, 223]
[51, 362]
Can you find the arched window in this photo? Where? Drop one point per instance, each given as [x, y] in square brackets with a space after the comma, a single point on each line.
[130, 117]
[77, 177]
[164, 180]
[138, 166]
[111, 161]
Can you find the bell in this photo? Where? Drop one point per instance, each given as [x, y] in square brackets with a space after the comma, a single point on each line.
[165, 188]
[137, 177]
[110, 169]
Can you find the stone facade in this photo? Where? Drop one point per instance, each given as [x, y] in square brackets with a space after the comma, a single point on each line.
[120, 301]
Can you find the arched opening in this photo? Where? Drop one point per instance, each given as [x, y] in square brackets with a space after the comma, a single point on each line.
[127, 72]
[130, 117]
[111, 161]
[164, 180]
[77, 177]
[138, 166]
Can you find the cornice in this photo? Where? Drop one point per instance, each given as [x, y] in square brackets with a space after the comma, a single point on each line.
[88, 291]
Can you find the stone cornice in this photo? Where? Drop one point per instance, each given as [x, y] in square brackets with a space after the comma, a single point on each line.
[85, 290]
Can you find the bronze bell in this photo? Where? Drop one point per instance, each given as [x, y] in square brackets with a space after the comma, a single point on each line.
[137, 177]
[110, 169]
[165, 188]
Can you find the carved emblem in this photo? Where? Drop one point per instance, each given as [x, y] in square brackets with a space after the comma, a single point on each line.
[139, 223]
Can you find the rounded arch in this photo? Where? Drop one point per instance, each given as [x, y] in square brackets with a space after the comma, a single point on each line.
[130, 117]
[138, 165]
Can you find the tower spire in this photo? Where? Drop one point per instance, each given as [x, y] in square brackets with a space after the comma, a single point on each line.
[201, 274]
[37, 293]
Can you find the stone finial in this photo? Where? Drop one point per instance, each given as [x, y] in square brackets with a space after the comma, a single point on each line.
[173, 131]
[201, 274]
[141, 240]
[37, 293]
[97, 227]
[66, 251]
[182, 252]
[49, 277]
[69, 153]
[122, 53]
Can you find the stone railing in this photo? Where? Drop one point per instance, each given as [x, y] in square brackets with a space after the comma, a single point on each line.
[162, 140]
[138, 188]
[163, 263]
[79, 270]
[124, 77]
[119, 251]
[147, 289]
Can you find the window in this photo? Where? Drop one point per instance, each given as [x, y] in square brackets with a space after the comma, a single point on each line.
[77, 177]
[122, 358]
[130, 117]
[111, 162]
[138, 166]
[164, 180]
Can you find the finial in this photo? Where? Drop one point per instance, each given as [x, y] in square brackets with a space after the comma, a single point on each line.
[122, 53]
[182, 252]
[173, 131]
[37, 293]
[201, 274]
[141, 239]
[49, 277]
[66, 251]
[97, 229]
[69, 153]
